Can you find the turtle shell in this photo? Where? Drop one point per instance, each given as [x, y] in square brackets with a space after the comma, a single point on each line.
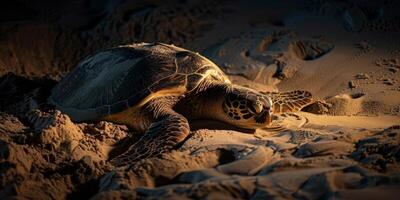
[113, 80]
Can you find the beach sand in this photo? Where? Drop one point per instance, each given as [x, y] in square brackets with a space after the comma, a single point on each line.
[343, 146]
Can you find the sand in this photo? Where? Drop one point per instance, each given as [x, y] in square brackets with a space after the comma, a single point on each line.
[346, 145]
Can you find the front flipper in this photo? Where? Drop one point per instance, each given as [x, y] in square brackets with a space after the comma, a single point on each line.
[290, 101]
[168, 130]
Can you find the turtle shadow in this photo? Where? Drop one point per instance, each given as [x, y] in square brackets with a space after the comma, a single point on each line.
[216, 125]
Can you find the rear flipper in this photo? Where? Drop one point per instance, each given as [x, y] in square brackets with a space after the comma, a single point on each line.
[289, 101]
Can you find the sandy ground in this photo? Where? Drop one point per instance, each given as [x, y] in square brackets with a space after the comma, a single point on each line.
[344, 146]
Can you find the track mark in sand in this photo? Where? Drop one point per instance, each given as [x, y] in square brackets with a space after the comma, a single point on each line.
[364, 48]
[287, 122]
[310, 49]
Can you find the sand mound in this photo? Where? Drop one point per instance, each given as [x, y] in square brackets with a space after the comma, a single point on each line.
[55, 129]
[345, 105]
[71, 159]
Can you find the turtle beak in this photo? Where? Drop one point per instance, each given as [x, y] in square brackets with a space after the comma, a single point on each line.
[265, 117]
[269, 116]
[262, 117]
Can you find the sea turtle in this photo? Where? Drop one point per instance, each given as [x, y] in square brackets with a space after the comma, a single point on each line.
[157, 88]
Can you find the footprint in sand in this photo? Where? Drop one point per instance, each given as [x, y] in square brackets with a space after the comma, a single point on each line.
[267, 55]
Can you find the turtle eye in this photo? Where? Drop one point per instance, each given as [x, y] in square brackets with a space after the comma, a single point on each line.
[257, 107]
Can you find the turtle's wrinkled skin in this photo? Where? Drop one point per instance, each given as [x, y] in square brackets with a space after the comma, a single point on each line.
[156, 88]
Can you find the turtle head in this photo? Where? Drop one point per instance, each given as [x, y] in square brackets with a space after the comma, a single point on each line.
[250, 110]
